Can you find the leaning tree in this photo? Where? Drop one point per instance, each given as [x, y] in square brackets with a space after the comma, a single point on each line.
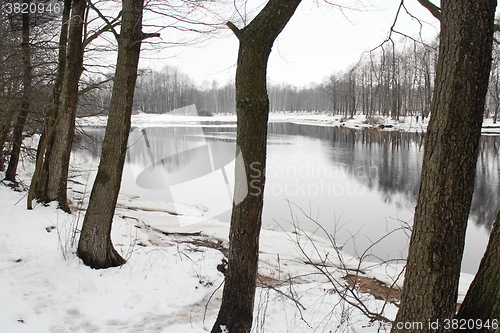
[95, 247]
[482, 302]
[449, 163]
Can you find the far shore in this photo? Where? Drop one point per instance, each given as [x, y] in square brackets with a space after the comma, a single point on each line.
[359, 121]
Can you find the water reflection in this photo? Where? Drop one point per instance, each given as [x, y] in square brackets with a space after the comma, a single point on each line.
[398, 157]
[485, 202]
[369, 177]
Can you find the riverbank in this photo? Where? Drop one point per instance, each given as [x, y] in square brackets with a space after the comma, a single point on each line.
[171, 281]
[405, 124]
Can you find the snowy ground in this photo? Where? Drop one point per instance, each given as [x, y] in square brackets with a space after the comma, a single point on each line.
[170, 282]
[406, 124]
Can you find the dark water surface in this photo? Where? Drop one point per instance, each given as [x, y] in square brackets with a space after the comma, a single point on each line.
[358, 185]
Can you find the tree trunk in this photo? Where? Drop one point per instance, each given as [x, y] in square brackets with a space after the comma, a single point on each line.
[482, 302]
[38, 186]
[58, 156]
[17, 135]
[252, 106]
[4, 132]
[95, 247]
[449, 164]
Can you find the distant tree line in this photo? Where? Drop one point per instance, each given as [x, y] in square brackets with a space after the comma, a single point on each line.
[392, 81]
[170, 89]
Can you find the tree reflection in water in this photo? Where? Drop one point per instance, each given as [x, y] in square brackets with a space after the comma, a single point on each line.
[396, 155]
[306, 164]
[398, 158]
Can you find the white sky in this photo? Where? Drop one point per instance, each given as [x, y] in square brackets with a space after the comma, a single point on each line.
[318, 41]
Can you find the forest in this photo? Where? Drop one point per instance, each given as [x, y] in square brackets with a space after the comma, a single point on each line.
[135, 261]
[395, 80]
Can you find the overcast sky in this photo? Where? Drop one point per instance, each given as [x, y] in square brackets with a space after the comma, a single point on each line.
[318, 41]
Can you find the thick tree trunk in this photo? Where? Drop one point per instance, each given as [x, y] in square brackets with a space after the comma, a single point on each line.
[95, 247]
[58, 156]
[17, 135]
[482, 302]
[252, 105]
[449, 164]
[38, 186]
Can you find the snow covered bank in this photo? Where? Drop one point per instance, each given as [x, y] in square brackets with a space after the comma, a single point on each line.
[405, 124]
[170, 282]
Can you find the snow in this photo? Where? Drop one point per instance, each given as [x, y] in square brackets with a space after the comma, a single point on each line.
[45, 287]
[489, 128]
[170, 282]
[159, 206]
[405, 124]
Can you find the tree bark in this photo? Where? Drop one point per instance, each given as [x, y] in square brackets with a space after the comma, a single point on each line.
[5, 127]
[17, 135]
[95, 247]
[449, 164]
[482, 301]
[58, 156]
[252, 106]
[39, 180]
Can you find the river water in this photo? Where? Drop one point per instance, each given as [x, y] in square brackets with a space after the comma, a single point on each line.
[358, 185]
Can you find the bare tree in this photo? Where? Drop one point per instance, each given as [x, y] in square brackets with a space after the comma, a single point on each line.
[38, 186]
[49, 182]
[53, 186]
[449, 163]
[95, 247]
[252, 107]
[17, 136]
[26, 67]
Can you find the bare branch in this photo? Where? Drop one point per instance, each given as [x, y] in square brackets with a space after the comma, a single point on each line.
[105, 19]
[108, 27]
[432, 8]
[436, 12]
[234, 29]
[95, 85]
[150, 35]
[242, 16]
[348, 294]
[391, 30]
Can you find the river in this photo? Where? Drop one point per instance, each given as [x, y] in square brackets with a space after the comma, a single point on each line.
[358, 185]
